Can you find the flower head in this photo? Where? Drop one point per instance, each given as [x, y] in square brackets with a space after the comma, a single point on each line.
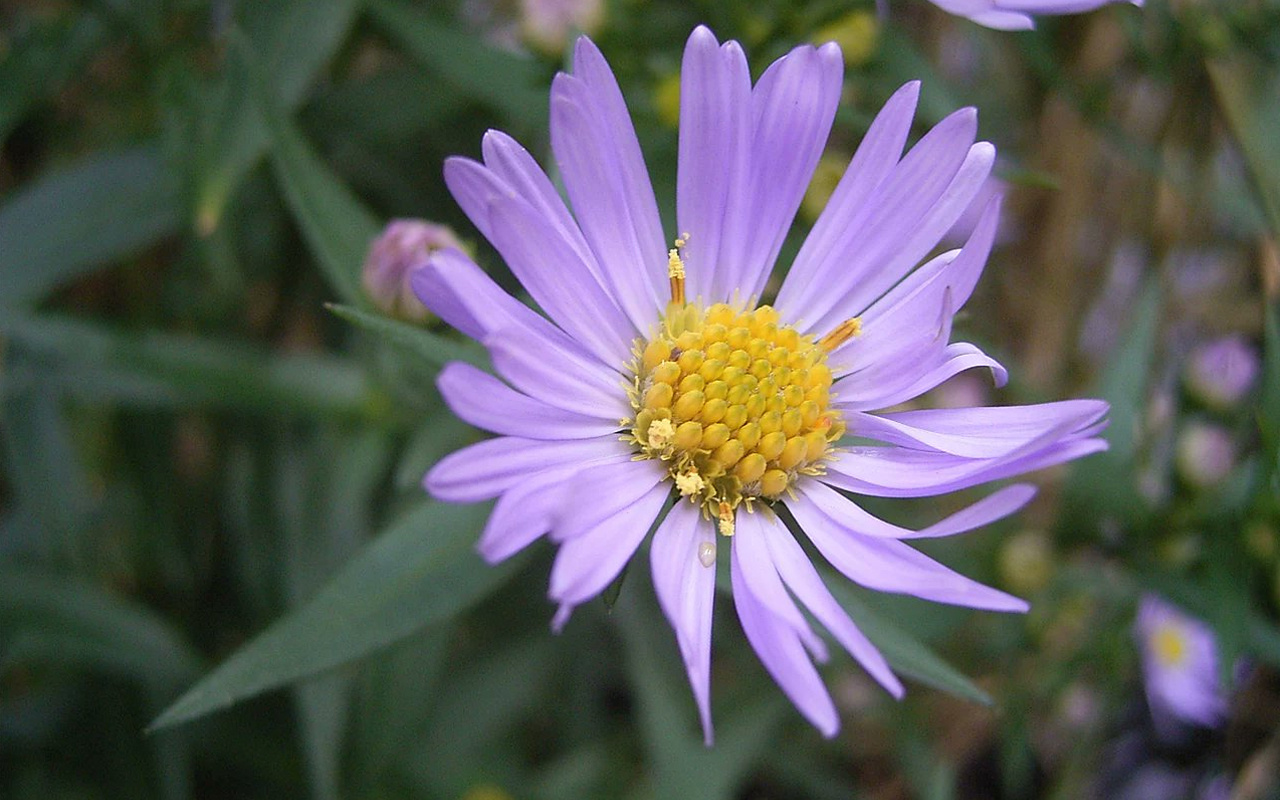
[1179, 665]
[1016, 14]
[659, 378]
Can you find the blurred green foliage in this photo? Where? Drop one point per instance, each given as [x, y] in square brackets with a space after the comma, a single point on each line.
[212, 441]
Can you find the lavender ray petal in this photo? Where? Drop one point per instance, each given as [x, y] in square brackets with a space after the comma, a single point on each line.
[887, 384]
[888, 565]
[793, 106]
[601, 493]
[686, 592]
[887, 218]
[803, 580]
[779, 649]
[487, 469]
[851, 516]
[874, 160]
[486, 402]
[524, 513]
[589, 562]
[560, 281]
[983, 432]
[750, 547]
[714, 147]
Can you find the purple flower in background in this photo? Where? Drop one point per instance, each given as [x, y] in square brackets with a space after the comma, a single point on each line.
[1221, 372]
[401, 247]
[1179, 666]
[1016, 14]
[657, 376]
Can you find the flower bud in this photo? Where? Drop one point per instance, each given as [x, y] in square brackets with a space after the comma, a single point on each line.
[1220, 373]
[1205, 454]
[401, 247]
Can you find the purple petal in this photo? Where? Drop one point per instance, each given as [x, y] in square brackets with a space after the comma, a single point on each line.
[589, 562]
[852, 274]
[600, 493]
[605, 175]
[875, 158]
[984, 432]
[853, 517]
[793, 106]
[559, 280]
[751, 548]
[540, 367]
[686, 591]
[888, 565]
[524, 513]
[461, 294]
[714, 152]
[904, 472]
[914, 319]
[803, 580]
[487, 469]
[887, 384]
[778, 646]
[486, 402]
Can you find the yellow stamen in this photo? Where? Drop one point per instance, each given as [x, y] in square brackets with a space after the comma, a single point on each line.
[675, 271]
[843, 332]
[690, 484]
[725, 517]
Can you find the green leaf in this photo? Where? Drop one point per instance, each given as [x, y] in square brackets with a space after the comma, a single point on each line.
[682, 765]
[421, 571]
[296, 40]
[154, 369]
[905, 653]
[1269, 411]
[417, 341]
[41, 61]
[57, 619]
[504, 81]
[1107, 485]
[335, 223]
[67, 223]
[1248, 93]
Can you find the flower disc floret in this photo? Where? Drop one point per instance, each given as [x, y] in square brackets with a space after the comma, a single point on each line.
[735, 403]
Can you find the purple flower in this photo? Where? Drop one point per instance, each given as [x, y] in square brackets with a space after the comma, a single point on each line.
[656, 376]
[1221, 372]
[401, 247]
[1016, 14]
[1179, 666]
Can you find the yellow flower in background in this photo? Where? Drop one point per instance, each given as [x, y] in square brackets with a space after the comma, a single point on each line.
[857, 33]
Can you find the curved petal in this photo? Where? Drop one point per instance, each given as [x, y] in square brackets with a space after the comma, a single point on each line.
[486, 402]
[984, 432]
[853, 517]
[589, 562]
[686, 590]
[524, 513]
[875, 158]
[540, 367]
[600, 493]
[608, 184]
[460, 293]
[714, 152]
[487, 469]
[751, 548]
[560, 281]
[792, 109]
[914, 318]
[887, 384]
[802, 579]
[852, 273]
[888, 565]
[778, 646]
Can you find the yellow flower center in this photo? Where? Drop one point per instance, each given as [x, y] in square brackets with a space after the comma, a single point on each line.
[1169, 645]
